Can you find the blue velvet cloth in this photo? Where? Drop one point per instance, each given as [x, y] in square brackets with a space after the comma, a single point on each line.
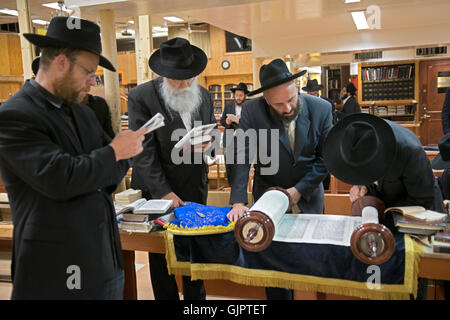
[194, 215]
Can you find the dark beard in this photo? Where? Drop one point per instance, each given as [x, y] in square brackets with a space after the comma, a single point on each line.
[64, 90]
[286, 120]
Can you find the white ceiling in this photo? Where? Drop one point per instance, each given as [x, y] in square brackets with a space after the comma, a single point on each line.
[281, 27]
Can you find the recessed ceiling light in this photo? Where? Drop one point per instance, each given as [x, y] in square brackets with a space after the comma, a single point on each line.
[360, 20]
[173, 19]
[351, 1]
[39, 21]
[9, 11]
[160, 29]
[159, 34]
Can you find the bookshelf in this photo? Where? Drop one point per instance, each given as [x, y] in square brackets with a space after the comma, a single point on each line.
[390, 90]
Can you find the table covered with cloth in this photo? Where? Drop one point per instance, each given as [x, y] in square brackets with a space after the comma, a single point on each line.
[322, 268]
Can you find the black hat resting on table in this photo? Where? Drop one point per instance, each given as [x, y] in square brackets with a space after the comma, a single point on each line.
[274, 74]
[442, 159]
[359, 149]
[63, 32]
[312, 86]
[178, 59]
[241, 86]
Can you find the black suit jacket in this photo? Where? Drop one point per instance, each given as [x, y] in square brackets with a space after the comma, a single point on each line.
[230, 108]
[302, 168]
[446, 113]
[101, 110]
[351, 106]
[59, 186]
[410, 181]
[154, 172]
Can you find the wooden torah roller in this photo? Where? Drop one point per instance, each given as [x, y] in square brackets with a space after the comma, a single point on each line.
[371, 242]
[254, 231]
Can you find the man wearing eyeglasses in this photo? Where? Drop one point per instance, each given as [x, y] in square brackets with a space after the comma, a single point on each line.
[59, 169]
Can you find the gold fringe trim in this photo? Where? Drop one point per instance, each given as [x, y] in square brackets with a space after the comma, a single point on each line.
[205, 230]
[268, 278]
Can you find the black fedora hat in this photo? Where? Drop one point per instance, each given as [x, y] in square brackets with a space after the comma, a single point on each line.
[442, 159]
[359, 149]
[35, 65]
[241, 86]
[274, 74]
[178, 59]
[312, 85]
[65, 32]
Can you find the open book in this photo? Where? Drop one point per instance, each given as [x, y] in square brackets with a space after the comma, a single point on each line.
[419, 213]
[143, 206]
[197, 135]
[157, 121]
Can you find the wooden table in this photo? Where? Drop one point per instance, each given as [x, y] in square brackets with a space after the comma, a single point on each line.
[432, 266]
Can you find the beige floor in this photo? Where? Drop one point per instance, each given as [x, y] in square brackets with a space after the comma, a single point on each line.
[145, 291]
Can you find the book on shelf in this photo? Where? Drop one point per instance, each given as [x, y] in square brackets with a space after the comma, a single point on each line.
[419, 214]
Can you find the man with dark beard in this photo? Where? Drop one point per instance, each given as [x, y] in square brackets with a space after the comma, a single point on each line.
[183, 103]
[59, 169]
[302, 122]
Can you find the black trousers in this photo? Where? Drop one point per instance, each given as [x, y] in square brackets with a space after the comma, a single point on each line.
[165, 285]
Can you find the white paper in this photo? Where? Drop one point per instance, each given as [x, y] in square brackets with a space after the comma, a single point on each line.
[316, 228]
[195, 132]
[157, 121]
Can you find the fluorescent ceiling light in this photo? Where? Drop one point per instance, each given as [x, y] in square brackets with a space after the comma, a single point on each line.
[131, 21]
[160, 29]
[173, 19]
[159, 34]
[39, 21]
[360, 20]
[54, 5]
[9, 11]
[85, 3]
[351, 1]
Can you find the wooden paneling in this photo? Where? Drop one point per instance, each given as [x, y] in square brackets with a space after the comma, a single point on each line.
[127, 63]
[240, 62]
[11, 71]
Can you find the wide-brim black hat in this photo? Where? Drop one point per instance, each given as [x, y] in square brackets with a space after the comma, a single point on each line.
[178, 59]
[71, 32]
[442, 159]
[241, 86]
[312, 86]
[274, 74]
[359, 149]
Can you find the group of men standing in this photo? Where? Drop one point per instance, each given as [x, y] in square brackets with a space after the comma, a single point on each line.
[59, 168]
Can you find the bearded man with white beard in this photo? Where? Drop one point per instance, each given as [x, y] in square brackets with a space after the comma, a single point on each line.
[178, 97]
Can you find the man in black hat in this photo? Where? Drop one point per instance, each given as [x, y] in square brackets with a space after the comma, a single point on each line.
[230, 120]
[300, 122]
[349, 103]
[96, 103]
[383, 159]
[59, 169]
[183, 103]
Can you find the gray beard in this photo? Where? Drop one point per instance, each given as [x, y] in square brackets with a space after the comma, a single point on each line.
[186, 100]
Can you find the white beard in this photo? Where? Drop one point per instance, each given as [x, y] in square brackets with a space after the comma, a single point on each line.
[182, 100]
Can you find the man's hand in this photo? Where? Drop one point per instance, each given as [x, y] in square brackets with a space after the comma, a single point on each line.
[357, 192]
[228, 121]
[238, 210]
[177, 202]
[128, 143]
[295, 196]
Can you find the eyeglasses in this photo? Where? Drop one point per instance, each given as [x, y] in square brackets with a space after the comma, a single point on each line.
[89, 74]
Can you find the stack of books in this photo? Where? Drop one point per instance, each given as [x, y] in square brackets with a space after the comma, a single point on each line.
[128, 196]
[401, 110]
[418, 221]
[441, 241]
[142, 223]
[139, 215]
